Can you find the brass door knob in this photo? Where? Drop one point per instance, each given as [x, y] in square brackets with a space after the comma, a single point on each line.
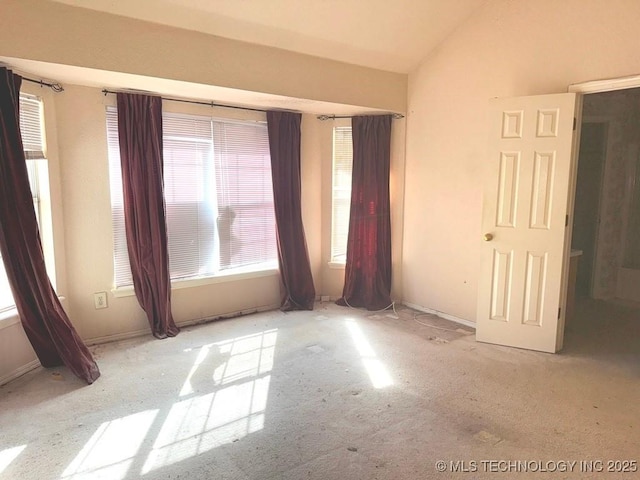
[488, 237]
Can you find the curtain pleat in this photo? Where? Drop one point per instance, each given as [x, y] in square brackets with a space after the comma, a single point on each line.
[140, 135]
[368, 264]
[48, 328]
[293, 256]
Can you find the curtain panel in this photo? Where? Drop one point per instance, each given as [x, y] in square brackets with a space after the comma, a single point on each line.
[140, 136]
[293, 256]
[46, 324]
[368, 263]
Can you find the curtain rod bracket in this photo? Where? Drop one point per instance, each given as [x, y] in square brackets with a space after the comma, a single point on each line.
[55, 86]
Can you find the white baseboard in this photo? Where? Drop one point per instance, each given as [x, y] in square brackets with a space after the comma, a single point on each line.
[185, 323]
[237, 313]
[446, 316]
[32, 365]
[326, 298]
[116, 337]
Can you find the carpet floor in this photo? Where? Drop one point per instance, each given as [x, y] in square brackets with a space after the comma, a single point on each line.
[335, 393]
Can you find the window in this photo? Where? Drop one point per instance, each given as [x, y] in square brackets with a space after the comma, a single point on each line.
[31, 128]
[218, 195]
[341, 192]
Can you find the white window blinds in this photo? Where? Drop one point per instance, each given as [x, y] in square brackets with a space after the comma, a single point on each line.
[341, 193]
[122, 271]
[32, 131]
[218, 195]
[31, 126]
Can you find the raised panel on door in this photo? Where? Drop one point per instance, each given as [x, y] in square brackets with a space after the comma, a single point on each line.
[525, 203]
[508, 189]
[501, 283]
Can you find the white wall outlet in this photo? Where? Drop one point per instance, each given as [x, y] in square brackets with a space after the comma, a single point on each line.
[100, 300]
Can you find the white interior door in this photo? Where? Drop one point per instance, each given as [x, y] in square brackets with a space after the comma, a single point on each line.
[526, 201]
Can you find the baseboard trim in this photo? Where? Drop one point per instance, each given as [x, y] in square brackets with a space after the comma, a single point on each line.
[225, 316]
[185, 323]
[116, 337]
[32, 365]
[446, 316]
[327, 298]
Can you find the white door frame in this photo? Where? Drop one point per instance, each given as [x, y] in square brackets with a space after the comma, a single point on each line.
[608, 85]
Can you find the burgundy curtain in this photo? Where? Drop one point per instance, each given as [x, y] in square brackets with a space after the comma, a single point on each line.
[46, 324]
[295, 270]
[368, 267]
[140, 134]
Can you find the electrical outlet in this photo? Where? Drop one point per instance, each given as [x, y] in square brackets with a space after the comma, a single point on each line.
[100, 300]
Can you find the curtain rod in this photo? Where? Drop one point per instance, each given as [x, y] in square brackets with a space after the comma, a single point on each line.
[55, 86]
[395, 116]
[196, 102]
[236, 107]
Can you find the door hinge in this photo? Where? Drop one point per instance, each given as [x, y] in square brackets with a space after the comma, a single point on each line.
[575, 122]
[559, 310]
[566, 221]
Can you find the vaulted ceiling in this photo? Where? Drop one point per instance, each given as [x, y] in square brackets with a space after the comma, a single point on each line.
[393, 35]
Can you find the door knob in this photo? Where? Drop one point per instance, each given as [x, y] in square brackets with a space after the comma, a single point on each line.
[488, 237]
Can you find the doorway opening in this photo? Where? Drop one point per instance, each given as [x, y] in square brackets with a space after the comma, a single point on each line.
[606, 229]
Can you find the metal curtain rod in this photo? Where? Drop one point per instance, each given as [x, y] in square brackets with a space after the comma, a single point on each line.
[236, 107]
[56, 87]
[395, 116]
[196, 102]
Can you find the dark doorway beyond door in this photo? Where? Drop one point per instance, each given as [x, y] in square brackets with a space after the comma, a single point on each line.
[587, 204]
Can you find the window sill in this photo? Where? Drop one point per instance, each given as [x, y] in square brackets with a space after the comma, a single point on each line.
[8, 318]
[337, 265]
[128, 291]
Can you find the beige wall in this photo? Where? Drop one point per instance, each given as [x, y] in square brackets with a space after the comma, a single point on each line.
[74, 36]
[509, 48]
[16, 354]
